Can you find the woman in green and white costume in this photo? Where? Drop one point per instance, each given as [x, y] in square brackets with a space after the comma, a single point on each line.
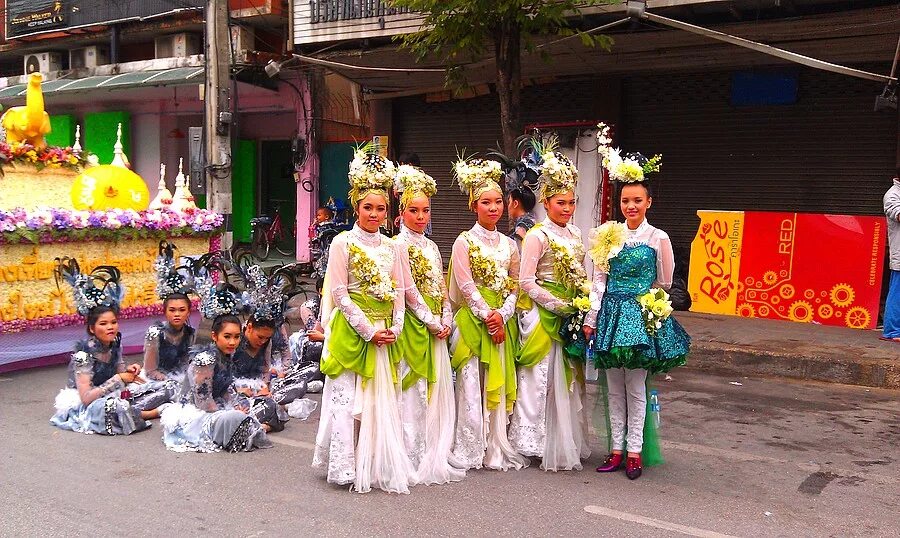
[427, 407]
[484, 268]
[549, 420]
[360, 439]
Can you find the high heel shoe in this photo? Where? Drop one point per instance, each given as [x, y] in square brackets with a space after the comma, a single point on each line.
[613, 463]
[633, 467]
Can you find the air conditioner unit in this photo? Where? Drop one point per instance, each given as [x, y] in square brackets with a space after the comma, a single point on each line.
[88, 57]
[42, 62]
[177, 45]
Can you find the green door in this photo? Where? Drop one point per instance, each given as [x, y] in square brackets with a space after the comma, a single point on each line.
[333, 168]
[278, 188]
[243, 188]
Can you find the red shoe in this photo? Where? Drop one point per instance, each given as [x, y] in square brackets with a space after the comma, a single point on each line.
[613, 463]
[633, 467]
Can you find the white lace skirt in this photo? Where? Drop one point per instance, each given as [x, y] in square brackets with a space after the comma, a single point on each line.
[413, 403]
[548, 420]
[360, 437]
[480, 437]
[438, 465]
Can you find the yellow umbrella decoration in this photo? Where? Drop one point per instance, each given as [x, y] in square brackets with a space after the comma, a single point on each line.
[110, 187]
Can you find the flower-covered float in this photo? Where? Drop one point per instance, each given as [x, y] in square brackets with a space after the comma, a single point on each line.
[57, 202]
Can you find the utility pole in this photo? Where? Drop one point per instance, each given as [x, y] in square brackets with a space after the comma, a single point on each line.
[218, 116]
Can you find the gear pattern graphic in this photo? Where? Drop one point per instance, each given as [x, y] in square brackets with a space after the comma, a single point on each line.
[801, 311]
[842, 295]
[745, 310]
[770, 277]
[787, 291]
[857, 318]
[826, 311]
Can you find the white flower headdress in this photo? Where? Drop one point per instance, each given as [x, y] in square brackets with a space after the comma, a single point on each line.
[477, 176]
[369, 172]
[411, 181]
[558, 173]
[631, 168]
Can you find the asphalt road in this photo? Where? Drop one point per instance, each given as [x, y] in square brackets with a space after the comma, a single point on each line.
[765, 458]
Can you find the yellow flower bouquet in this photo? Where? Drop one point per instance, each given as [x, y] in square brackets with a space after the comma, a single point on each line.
[656, 307]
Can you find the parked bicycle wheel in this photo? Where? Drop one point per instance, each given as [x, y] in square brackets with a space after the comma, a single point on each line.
[286, 245]
[260, 244]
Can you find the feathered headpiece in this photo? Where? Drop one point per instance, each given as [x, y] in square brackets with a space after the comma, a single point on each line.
[216, 299]
[520, 174]
[411, 181]
[262, 296]
[477, 176]
[169, 277]
[632, 168]
[558, 173]
[102, 287]
[369, 172]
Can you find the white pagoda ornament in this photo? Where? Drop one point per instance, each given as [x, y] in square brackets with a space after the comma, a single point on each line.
[182, 200]
[76, 147]
[119, 157]
[163, 198]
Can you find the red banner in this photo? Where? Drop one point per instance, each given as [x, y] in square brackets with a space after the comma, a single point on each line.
[793, 266]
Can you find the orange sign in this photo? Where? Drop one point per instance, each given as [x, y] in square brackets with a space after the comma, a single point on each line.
[793, 266]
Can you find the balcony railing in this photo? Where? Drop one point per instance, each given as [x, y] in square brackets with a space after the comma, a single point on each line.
[346, 10]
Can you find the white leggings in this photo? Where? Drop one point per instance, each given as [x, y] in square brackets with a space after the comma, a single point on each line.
[627, 401]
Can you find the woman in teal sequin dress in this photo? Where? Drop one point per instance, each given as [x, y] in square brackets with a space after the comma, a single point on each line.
[622, 345]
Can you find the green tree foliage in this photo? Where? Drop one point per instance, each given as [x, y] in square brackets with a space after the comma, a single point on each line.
[460, 32]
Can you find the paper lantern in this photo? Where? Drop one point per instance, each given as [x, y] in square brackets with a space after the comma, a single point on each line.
[110, 187]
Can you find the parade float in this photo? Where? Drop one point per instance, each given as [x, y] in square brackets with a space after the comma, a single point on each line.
[57, 202]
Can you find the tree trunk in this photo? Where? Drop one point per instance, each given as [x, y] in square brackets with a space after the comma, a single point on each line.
[507, 50]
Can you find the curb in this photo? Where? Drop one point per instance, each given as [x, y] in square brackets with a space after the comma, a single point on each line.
[729, 359]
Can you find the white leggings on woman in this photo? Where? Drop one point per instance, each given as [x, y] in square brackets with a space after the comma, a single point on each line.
[627, 402]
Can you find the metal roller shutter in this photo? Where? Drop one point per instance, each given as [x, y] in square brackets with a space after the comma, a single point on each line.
[828, 153]
[436, 130]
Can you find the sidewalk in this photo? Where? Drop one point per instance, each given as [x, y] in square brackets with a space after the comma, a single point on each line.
[742, 346]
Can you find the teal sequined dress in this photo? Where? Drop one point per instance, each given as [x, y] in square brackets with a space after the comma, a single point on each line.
[621, 339]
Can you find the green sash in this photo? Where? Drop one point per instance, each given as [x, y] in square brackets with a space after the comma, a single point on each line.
[346, 348]
[537, 346]
[416, 347]
[475, 340]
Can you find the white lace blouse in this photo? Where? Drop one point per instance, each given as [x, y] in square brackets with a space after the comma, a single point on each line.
[538, 258]
[495, 246]
[414, 300]
[386, 255]
[645, 234]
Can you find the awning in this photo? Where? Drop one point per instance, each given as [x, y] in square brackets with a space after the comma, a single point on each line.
[140, 79]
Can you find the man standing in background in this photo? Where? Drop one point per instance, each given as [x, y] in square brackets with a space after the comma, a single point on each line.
[892, 306]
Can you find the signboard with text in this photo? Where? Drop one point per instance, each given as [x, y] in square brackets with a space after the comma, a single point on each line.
[30, 17]
[791, 266]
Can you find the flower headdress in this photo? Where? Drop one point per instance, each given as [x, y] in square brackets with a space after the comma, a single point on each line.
[169, 277]
[558, 173]
[411, 181]
[632, 168]
[216, 299]
[101, 287]
[477, 176]
[262, 296]
[369, 172]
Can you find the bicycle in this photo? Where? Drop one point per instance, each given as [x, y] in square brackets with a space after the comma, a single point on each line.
[267, 232]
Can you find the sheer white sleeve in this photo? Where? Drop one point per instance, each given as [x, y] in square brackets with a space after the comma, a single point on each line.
[598, 288]
[508, 310]
[414, 300]
[201, 387]
[151, 355]
[399, 296]
[446, 308]
[462, 273]
[339, 276]
[665, 260]
[534, 248]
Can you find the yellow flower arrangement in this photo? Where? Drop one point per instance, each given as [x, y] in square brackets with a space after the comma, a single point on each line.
[606, 242]
[655, 309]
[371, 279]
[489, 273]
[423, 275]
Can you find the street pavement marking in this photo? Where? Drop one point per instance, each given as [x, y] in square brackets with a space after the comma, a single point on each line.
[809, 467]
[5, 379]
[656, 523]
[291, 442]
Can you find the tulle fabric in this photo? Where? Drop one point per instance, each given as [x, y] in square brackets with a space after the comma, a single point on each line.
[549, 420]
[375, 457]
[438, 465]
